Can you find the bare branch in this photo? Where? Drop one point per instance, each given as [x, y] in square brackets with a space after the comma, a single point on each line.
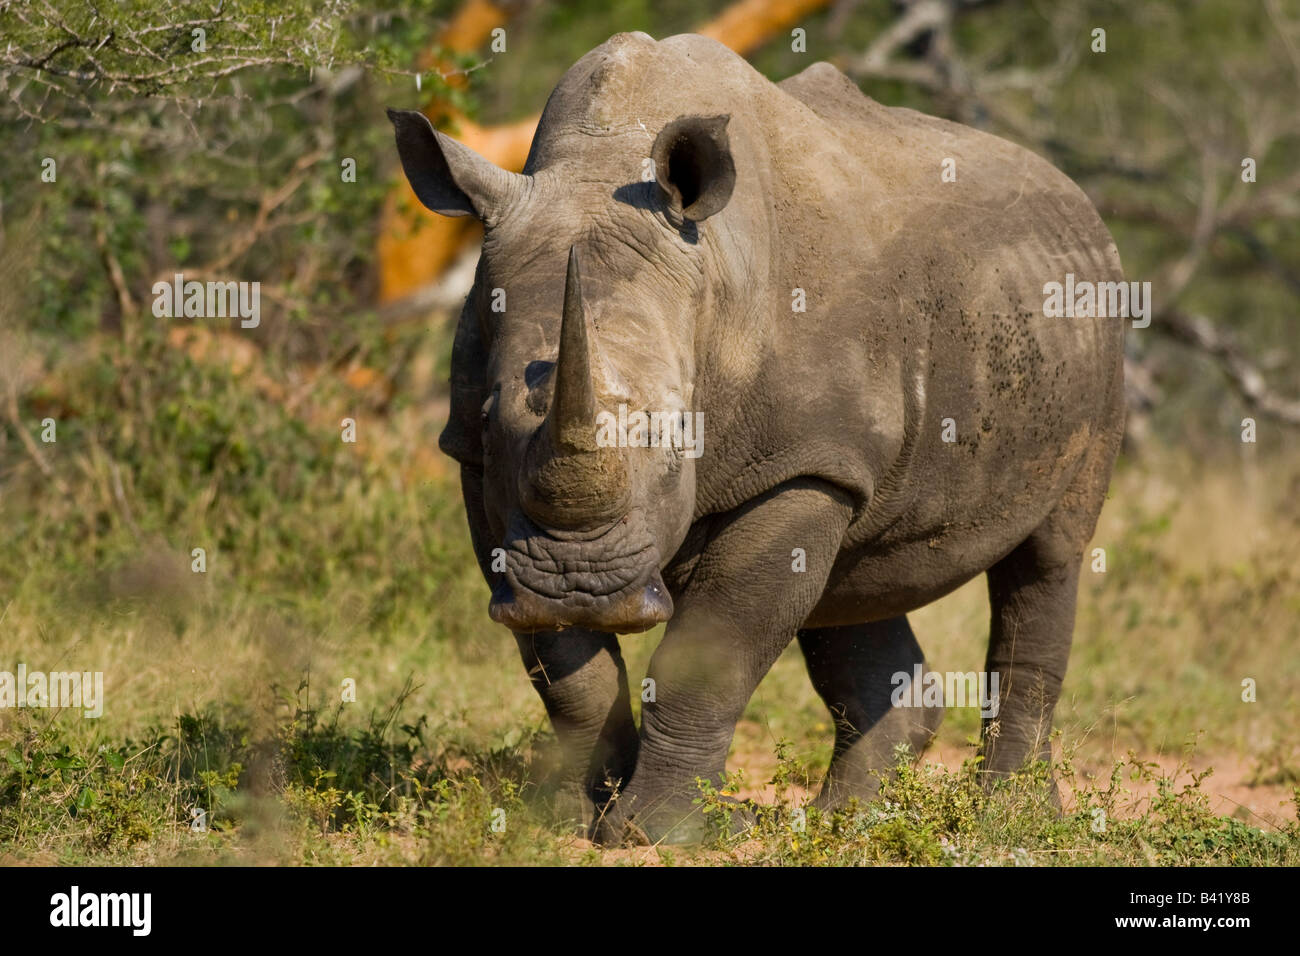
[1244, 376]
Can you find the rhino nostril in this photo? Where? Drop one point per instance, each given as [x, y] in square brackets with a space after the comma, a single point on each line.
[656, 602]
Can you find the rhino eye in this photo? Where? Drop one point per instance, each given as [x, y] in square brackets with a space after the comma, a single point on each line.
[537, 379]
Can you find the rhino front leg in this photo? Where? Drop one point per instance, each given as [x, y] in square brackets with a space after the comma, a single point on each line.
[735, 616]
[853, 668]
[582, 681]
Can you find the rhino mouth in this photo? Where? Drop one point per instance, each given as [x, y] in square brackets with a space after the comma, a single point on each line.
[606, 579]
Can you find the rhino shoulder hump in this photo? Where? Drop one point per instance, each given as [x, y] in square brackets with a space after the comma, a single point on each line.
[829, 93]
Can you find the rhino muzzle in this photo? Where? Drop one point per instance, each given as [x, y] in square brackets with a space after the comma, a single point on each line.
[606, 580]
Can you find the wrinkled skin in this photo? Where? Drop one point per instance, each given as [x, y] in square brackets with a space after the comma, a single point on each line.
[822, 435]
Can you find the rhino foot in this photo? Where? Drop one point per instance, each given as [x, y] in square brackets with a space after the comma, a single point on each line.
[569, 807]
[634, 820]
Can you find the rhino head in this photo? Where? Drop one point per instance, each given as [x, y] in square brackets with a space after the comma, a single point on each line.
[586, 298]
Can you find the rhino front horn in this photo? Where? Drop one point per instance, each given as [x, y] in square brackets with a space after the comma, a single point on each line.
[573, 410]
[568, 480]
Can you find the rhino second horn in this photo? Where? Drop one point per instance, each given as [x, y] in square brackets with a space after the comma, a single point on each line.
[573, 408]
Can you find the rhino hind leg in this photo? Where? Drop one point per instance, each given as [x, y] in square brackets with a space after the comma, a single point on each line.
[852, 669]
[1032, 598]
[1032, 595]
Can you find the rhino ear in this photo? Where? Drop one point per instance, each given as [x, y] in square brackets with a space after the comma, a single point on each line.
[693, 164]
[448, 177]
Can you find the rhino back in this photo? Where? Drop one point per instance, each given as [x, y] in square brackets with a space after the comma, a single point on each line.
[925, 303]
